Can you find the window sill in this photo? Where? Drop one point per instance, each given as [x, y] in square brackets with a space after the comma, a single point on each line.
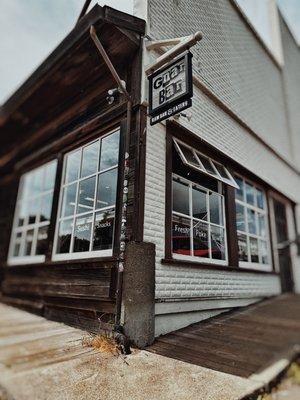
[195, 264]
[82, 255]
[83, 262]
[16, 261]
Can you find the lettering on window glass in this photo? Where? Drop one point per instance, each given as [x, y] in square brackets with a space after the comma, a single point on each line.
[198, 224]
[88, 197]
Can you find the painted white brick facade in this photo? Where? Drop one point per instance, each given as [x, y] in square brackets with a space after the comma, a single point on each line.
[231, 63]
[183, 282]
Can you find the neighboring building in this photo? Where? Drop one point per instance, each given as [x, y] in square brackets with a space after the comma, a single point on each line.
[212, 202]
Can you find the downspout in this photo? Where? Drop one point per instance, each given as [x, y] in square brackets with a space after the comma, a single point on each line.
[122, 88]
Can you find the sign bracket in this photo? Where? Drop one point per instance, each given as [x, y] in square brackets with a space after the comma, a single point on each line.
[179, 46]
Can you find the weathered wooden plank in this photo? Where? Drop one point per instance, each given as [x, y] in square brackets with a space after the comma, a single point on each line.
[241, 342]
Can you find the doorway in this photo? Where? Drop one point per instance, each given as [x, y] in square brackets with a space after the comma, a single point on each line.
[282, 245]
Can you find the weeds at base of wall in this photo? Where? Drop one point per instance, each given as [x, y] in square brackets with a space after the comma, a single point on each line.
[290, 379]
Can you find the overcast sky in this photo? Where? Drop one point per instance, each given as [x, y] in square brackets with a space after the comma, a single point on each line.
[31, 29]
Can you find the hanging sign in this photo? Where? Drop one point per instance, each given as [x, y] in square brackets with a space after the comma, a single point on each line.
[171, 89]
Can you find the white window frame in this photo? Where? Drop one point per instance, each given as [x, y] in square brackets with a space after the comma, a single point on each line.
[230, 181]
[248, 264]
[91, 253]
[191, 218]
[30, 259]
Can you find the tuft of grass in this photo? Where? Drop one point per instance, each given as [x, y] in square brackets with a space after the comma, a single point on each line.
[294, 373]
[101, 342]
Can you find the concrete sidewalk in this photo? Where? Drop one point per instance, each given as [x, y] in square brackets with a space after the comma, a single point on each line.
[41, 360]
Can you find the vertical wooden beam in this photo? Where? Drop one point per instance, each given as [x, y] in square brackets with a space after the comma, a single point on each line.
[232, 240]
[55, 206]
[168, 196]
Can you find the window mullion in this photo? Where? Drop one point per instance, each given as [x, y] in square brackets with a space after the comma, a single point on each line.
[208, 224]
[191, 219]
[94, 208]
[76, 203]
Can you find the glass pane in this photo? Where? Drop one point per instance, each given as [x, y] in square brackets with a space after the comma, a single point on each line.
[34, 184]
[207, 164]
[249, 194]
[50, 174]
[181, 234]
[107, 188]
[82, 234]
[189, 156]
[221, 170]
[260, 198]
[34, 208]
[64, 236]
[251, 221]
[90, 158]
[69, 197]
[27, 183]
[22, 212]
[46, 207]
[217, 243]
[28, 242]
[240, 217]
[264, 252]
[180, 197]
[72, 166]
[262, 225]
[239, 193]
[86, 195]
[215, 207]
[42, 236]
[243, 247]
[109, 151]
[103, 230]
[254, 250]
[200, 232]
[199, 204]
[17, 247]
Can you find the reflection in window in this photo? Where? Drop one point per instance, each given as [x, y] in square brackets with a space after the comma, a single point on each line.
[86, 195]
[104, 229]
[200, 239]
[198, 226]
[217, 243]
[199, 203]
[180, 197]
[181, 235]
[64, 236]
[107, 188]
[82, 234]
[243, 247]
[251, 223]
[86, 222]
[33, 212]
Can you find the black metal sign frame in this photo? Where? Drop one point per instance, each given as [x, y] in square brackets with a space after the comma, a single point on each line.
[179, 102]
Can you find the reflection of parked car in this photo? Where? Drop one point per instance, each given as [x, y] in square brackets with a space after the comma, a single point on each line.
[181, 245]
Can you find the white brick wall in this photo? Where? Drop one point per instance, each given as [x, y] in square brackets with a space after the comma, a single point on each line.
[182, 282]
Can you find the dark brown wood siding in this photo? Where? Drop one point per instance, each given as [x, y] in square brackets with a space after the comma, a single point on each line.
[63, 106]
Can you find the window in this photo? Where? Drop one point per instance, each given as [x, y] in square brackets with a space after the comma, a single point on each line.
[198, 222]
[200, 162]
[32, 215]
[252, 225]
[85, 226]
